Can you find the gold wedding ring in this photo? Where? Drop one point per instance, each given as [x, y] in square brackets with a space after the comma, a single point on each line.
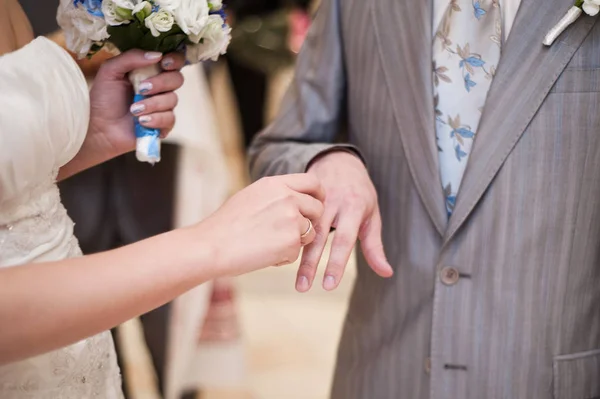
[308, 230]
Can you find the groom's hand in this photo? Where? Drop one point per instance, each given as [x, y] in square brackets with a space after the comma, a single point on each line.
[351, 208]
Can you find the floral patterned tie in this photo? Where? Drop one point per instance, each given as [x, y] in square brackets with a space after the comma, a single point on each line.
[466, 50]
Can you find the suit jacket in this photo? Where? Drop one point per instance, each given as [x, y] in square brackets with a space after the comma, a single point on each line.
[501, 301]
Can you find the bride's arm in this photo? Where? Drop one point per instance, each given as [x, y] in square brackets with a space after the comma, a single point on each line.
[49, 305]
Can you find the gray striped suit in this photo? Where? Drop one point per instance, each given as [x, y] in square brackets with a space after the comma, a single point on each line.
[520, 318]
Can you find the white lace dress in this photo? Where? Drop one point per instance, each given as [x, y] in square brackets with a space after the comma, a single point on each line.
[44, 113]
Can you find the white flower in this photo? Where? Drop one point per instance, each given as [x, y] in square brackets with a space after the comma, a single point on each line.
[192, 16]
[172, 5]
[114, 14]
[81, 28]
[159, 22]
[127, 4]
[215, 5]
[591, 7]
[143, 6]
[215, 38]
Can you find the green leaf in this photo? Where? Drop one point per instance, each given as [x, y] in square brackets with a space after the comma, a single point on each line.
[136, 35]
[94, 49]
[126, 37]
[123, 13]
[171, 43]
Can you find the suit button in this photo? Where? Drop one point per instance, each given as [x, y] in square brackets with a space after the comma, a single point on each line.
[428, 366]
[449, 276]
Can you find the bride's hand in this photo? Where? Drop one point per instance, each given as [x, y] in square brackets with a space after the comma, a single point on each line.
[263, 224]
[111, 119]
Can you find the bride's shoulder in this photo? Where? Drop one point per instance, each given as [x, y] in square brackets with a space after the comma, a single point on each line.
[44, 114]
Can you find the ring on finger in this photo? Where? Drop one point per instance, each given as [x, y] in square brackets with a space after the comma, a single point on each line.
[308, 229]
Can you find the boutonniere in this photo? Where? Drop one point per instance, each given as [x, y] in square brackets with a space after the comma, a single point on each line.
[590, 7]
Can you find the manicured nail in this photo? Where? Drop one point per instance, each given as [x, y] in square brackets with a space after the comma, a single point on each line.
[302, 284]
[145, 119]
[137, 108]
[145, 87]
[329, 283]
[152, 55]
[167, 62]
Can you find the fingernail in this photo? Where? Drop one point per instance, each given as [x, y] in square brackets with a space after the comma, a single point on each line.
[137, 108]
[145, 119]
[145, 87]
[302, 284]
[329, 283]
[152, 55]
[167, 62]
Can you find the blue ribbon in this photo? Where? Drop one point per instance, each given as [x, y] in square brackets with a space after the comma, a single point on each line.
[142, 131]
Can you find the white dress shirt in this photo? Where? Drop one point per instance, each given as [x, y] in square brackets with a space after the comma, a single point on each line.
[509, 12]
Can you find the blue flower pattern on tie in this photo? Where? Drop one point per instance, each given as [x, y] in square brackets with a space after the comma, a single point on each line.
[479, 12]
[466, 51]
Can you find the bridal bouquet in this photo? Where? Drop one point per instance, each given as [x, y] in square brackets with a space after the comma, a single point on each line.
[197, 27]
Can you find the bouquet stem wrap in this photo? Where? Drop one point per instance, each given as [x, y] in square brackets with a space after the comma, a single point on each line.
[147, 139]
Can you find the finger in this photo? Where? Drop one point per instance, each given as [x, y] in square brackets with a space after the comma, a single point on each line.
[164, 133]
[344, 240]
[119, 66]
[158, 103]
[372, 246]
[308, 232]
[308, 206]
[312, 253]
[173, 62]
[162, 83]
[158, 120]
[305, 183]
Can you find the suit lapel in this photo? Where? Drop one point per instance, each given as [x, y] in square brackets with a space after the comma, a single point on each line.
[525, 74]
[404, 35]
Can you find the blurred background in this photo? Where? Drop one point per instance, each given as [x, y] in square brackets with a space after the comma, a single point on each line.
[252, 337]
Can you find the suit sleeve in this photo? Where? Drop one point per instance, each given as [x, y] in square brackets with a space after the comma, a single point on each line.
[313, 108]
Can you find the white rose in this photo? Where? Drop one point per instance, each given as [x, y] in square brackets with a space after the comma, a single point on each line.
[81, 28]
[127, 4]
[591, 7]
[159, 22]
[114, 14]
[192, 16]
[215, 5]
[214, 41]
[143, 6]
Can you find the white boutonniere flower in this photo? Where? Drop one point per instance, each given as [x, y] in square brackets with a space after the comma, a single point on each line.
[590, 7]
